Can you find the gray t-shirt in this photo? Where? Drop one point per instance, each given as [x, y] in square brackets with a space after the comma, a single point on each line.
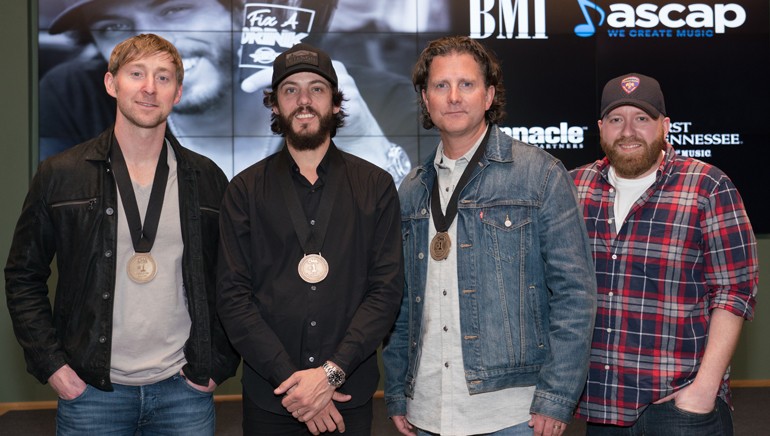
[150, 321]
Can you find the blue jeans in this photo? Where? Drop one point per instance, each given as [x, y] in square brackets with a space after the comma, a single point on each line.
[522, 429]
[668, 420]
[169, 407]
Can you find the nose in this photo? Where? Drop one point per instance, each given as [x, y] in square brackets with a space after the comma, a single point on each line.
[303, 97]
[454, 94]
[148, 87]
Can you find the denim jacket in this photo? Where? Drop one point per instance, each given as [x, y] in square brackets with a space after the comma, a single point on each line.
[526, 279]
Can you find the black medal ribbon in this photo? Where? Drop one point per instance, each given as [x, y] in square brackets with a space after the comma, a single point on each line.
[143, 237]
[440, 221]
[311, 241]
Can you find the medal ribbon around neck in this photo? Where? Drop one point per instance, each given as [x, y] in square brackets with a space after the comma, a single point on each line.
[141, 266]
[312, 268]
[441, 244]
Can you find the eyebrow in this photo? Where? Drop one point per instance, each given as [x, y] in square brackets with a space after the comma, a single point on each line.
[312, 82]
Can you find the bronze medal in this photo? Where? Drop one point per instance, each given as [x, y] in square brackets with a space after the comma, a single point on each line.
[313, 268]
[142, 268]
[440, 246]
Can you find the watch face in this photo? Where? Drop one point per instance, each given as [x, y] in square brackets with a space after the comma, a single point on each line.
[335, 376]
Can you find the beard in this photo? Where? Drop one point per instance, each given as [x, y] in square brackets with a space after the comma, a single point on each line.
[305, 140]
[632, 166]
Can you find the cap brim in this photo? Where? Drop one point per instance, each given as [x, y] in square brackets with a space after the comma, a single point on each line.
[67, 19]
[300, 69]
[643, 105]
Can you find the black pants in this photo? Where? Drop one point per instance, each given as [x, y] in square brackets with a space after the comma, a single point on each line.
[259, 422]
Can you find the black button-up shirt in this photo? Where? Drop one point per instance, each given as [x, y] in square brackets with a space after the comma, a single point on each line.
[278, 322]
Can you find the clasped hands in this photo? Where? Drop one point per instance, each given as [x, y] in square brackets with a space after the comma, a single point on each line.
[309, 398]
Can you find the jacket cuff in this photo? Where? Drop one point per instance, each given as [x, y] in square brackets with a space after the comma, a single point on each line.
[553, 406]
[395, 407]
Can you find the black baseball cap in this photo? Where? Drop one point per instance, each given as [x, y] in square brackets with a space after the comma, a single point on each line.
[303, 57]
[635, 90]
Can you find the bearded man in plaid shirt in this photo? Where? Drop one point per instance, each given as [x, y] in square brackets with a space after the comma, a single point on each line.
[677, 274]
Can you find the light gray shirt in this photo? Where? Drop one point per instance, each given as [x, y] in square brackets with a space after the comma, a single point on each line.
[150, 321]
[441, 401]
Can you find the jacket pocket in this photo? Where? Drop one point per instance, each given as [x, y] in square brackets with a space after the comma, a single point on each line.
[506, 232]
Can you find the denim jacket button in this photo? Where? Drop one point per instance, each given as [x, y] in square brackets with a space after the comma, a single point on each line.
[417, 299]
[423, 211]
[421, 256]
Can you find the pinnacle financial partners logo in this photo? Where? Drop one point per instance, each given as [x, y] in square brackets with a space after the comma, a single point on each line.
[671, 20]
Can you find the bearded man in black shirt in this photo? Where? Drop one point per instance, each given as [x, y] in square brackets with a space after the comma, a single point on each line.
[311, 271]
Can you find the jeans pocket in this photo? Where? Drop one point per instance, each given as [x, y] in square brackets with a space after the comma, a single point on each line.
[191, 388]
[688, 413]
[79, 397]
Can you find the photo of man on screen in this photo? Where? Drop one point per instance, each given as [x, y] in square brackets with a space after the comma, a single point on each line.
[221, 114]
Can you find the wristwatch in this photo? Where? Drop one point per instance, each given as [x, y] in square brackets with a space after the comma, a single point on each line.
[334, 375]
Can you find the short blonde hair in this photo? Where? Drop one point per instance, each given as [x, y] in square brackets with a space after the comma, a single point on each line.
[141, 46]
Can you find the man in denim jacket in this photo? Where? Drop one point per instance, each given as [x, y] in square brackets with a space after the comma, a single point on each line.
[494, 330]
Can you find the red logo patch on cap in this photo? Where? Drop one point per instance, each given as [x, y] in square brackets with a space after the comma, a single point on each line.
[629, 84]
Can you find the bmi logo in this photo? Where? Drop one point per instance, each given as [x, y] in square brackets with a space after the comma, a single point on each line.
[519, 19]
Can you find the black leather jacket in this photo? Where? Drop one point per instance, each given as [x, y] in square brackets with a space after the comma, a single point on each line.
[70, 212]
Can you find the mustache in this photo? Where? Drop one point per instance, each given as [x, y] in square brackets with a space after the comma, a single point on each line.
[304, 109]
[628, 139]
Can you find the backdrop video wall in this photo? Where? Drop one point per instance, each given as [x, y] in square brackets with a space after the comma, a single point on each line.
[711, 59]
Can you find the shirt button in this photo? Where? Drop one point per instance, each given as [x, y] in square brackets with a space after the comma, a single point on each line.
[446, 364]
[312, 323]
[106, 296]
[609, 330]
[102, 339]
[612, 189]
[609, 221]
[109, 211]
[606, 367]
[108, 253]
[446, 328]
[313, 288]
[421, 256]
[444, 292]
[611, 294]
[614, 257]
[312, 222]
[311, 359]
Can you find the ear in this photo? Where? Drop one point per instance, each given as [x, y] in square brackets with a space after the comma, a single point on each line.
[424, 96]
[109, 84]
[178, 94]
[490, 97]
[666, 125]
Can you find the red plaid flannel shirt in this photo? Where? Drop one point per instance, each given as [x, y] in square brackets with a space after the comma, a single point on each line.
[686, 248]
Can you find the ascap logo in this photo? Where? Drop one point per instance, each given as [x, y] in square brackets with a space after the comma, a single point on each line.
[671, 20]
[511, 19]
